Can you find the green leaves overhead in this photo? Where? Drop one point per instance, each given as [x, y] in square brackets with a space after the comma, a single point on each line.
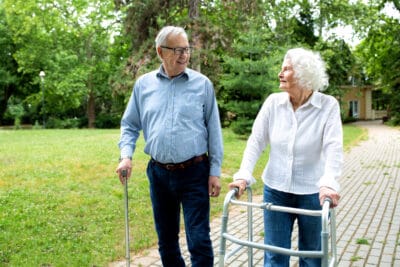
[92, 51]
[380, 53]
[70, 41]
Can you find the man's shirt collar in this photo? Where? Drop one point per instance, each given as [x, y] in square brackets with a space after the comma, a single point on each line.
[161, 73]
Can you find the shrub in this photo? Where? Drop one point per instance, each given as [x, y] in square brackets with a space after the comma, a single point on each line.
[69, 123]
[107, 121]
[241, 126]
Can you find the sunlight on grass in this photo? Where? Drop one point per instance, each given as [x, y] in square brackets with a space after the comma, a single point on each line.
[352, 135]
[61, 203]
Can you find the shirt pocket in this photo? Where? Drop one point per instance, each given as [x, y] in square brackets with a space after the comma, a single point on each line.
[191, 110]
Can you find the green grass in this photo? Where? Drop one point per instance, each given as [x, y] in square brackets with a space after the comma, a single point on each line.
[352, 135]
[61, 203]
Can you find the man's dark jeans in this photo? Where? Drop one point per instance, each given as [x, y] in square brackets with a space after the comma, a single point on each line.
[171, 189]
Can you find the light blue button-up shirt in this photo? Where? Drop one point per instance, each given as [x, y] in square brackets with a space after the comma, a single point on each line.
[179, 118]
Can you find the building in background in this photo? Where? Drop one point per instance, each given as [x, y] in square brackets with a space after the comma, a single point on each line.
[364, 103]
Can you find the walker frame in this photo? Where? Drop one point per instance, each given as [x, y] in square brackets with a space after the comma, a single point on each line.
[328, 230]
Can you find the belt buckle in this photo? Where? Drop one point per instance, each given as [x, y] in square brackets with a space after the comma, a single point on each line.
[170, 167]
[182, 166]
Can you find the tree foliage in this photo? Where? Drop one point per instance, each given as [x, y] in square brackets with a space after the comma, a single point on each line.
[70, 41]
[249, 76]
[9, 78]
[380, 55]
[92, 51]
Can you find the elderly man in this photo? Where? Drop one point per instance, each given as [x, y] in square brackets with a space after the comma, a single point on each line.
[177, 110]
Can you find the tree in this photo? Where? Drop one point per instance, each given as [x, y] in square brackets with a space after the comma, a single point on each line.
[341, 65]
[141, 23]
[249, 76]
[70, 41]
[91, 65]
[380, 53]
[9, 78]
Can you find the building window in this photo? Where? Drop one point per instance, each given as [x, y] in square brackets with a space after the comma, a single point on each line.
[379, 100]
[353, 109]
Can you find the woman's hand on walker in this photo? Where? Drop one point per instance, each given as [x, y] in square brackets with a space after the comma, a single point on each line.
[240, 184]
[327, 192]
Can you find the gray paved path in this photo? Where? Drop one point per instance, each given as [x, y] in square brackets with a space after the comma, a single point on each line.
[367, 219]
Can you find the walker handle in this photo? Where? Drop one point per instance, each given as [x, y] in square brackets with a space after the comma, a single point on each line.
[329, 200]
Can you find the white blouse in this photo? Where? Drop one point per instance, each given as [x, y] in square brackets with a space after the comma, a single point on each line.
[306, 145]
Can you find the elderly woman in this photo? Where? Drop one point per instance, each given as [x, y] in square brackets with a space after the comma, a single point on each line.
[303, 129]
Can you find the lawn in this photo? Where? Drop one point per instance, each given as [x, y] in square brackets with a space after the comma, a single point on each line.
[62, 205]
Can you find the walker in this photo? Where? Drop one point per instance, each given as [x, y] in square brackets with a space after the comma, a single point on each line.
[328, 231]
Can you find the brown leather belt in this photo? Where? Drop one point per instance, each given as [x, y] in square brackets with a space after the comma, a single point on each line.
[181, 165]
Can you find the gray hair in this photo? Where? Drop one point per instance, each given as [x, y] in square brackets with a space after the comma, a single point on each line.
[162, 36]
[309, 68]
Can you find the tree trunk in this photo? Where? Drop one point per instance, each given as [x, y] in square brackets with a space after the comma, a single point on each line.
[91, 110]
[196, 38]
[91, 104]
[8, 92]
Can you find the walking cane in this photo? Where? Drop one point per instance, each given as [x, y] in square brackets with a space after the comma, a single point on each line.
[127, 253]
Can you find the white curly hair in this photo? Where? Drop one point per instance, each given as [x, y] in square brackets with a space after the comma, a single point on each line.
[309, 68]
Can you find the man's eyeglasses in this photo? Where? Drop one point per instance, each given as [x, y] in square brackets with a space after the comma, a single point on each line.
[179, 50]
